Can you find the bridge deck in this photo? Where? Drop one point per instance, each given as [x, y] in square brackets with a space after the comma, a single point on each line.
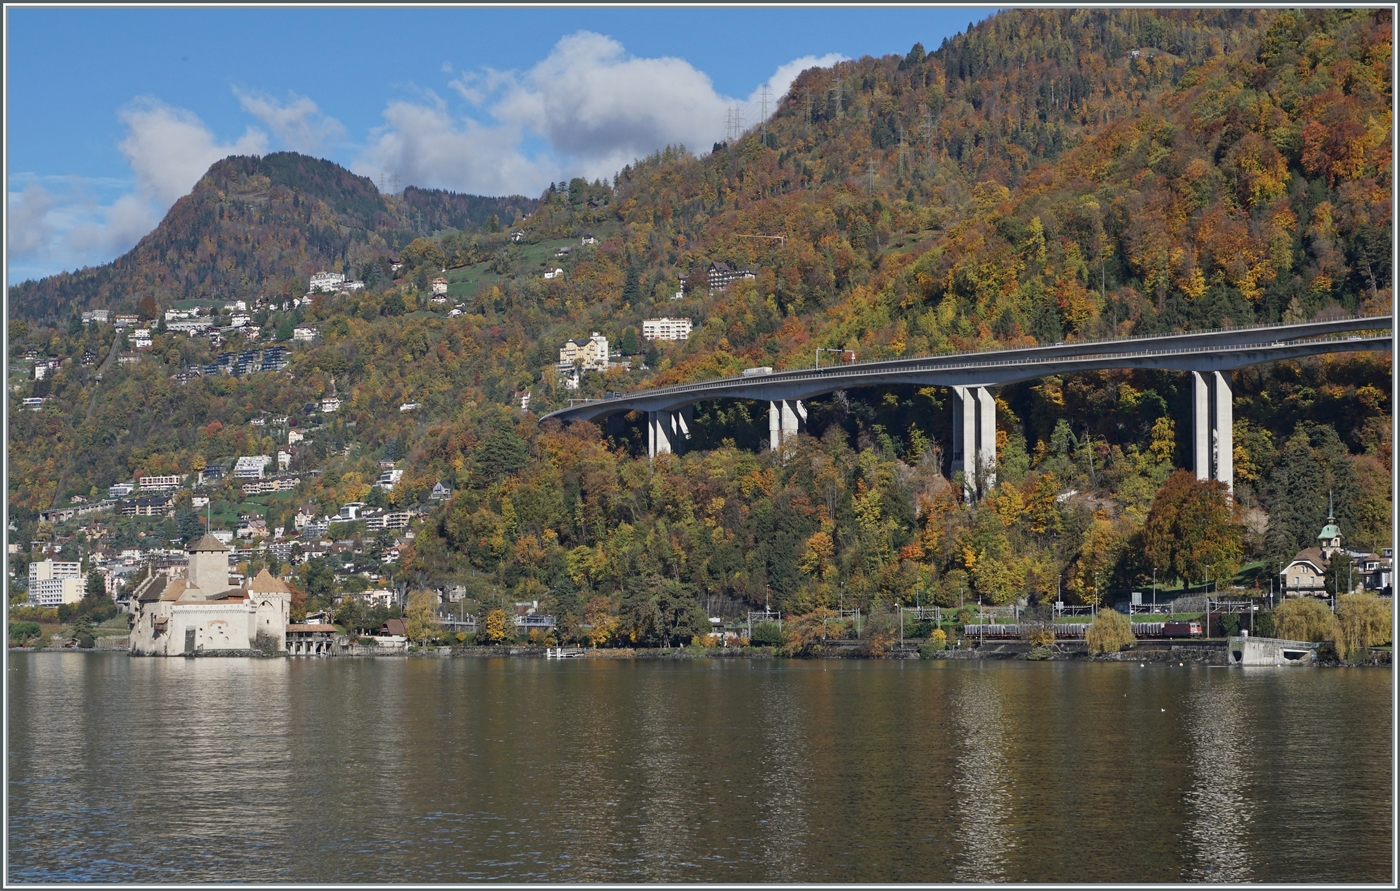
[1221, 350]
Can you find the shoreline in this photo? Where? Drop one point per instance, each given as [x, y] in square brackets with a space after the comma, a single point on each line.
[1193, 652]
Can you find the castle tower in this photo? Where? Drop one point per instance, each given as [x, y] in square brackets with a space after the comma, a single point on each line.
[208, 566]
[271, 599]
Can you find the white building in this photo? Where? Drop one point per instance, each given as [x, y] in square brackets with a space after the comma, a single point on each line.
[251, 467]
[141, 338]
[121, 490]
[388, 479]
[591, 353]
[55, 582]
[327, 281]
[439, 285]
[330, 404]
[554, 273]
[304, 333]
[666, 329]
[166, 483]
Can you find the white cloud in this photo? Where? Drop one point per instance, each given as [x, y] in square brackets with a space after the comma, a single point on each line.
[782, 79]
[298, 125]
[117, 228]
[428, 148]
[169, 148]
[591, 107]
[27, 229]
[601, 108]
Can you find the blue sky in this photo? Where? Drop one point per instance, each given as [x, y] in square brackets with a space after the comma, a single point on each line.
[113, 114]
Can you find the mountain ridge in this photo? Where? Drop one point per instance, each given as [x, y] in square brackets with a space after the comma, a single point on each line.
[255, 225]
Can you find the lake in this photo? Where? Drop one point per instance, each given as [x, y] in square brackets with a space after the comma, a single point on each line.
[725, 770]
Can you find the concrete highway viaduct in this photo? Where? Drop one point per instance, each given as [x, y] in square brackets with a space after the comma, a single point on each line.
[1209, 356]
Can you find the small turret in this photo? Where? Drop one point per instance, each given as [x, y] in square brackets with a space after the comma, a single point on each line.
[1330, 538]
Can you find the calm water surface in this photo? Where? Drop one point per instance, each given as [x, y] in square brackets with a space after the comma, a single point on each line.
[453, 770]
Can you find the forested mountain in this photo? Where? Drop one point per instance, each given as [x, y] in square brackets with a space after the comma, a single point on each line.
[1049, 175]
[255, 226]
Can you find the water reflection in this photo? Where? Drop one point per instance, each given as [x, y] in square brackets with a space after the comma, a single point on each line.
[664, 783]
[786, 779]
[981, 781]
[1218, 802]
[382, 771]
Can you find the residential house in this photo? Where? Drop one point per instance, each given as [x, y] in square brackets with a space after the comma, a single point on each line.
[166, 483]
[716, 277]
[441, 492]
[388, 479]
[330, 404]
[147, 506]
[55, 582]
[554, 273]
[304, 333]
[666, 329]
[141, 338]
[328, 282]
[251, 467]
[1306, 573]
[590, 354]
[439, 286]
[587, 238]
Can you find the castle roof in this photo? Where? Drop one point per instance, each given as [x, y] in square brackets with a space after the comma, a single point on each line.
[266, 583]
[207, 543]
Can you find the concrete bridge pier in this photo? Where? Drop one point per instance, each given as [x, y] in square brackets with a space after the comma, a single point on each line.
[786, 419]
[975, 439]
[1212, 428]
[668, 431]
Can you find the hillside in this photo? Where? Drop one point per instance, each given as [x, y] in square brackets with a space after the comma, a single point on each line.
[1052, 174]
[254, 226]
